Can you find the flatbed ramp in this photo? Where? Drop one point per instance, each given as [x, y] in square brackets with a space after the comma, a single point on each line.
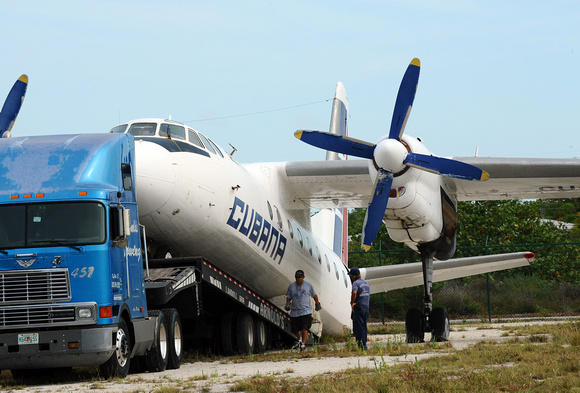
[218, 302]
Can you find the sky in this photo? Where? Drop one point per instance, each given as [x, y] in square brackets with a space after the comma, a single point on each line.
[501, 77]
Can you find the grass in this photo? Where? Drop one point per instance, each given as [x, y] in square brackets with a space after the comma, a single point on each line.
[535, 357]
[516, 365]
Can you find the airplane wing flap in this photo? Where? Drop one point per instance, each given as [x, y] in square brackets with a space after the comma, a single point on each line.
[330, 184]
[520, 178]
[388, 278]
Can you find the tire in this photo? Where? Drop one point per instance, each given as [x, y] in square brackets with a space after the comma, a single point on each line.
[174, 338]
[262, 336]
[440, 324]
[120, 361]
[245, 333]
[228, 333]
[156, 357]
[413, 328]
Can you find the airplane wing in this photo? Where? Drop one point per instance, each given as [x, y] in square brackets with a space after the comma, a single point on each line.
[520, 178]
[391, 277]
[330, 184]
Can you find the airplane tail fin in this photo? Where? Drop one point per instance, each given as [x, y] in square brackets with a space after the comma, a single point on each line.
[12, 105]
[331, 225]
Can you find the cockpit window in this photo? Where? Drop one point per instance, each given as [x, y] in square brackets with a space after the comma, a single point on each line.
[143, 129]
[174, 131]
[216, 147]
[207, 144]
[119, 129]
[193, 138]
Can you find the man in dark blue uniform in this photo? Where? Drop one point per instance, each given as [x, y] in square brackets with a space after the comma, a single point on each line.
[359, 303]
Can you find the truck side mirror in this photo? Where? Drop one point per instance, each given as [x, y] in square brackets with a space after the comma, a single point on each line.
[123, 228]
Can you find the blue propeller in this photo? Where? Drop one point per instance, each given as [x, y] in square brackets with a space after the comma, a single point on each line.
[12, 105]
[390, 156]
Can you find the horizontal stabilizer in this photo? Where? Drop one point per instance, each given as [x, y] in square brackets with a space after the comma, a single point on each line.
[388, 278]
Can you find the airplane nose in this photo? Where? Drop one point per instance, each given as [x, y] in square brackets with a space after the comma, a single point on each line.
[155, 176]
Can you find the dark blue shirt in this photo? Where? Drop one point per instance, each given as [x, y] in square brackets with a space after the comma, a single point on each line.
[363, 292]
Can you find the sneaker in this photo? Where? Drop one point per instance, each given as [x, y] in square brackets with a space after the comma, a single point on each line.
[302, 347]
[298, 345]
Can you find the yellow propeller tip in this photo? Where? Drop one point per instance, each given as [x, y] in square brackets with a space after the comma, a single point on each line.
[416, 62]
[366, 247]
[298, 134]
[484, 176]
[23, 78]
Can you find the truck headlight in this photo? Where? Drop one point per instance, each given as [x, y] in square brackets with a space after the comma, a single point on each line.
[85, 313]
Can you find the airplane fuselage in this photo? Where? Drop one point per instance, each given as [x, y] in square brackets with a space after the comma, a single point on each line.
[201, 202]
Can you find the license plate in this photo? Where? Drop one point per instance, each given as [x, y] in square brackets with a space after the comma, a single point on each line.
[25, 339]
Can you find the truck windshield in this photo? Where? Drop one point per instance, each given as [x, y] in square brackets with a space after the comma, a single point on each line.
[52, 224]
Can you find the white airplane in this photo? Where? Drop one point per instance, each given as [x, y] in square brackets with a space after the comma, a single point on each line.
[254, 220]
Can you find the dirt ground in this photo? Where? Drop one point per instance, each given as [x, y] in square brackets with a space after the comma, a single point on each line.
[220, 376]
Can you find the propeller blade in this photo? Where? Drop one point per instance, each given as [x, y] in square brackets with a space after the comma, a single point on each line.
[446, 166]
[12, 104]
[405, 99]
[337, 143]
[377, 207]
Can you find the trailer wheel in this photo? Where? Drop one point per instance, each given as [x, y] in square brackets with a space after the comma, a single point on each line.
[262, 336]
[245, 333]
[228, 333]
[120, 361]
[174, 338]
[156, 357]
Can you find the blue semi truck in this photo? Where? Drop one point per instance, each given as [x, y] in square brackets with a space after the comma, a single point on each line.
[76, 287]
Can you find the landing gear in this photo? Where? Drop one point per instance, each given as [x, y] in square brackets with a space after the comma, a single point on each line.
[431, 320]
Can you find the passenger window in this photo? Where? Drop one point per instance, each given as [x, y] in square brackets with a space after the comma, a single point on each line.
[193, 138]
[345, 279]
[172, 130]
[309, 245]
[143, 129]
[290, 229]
[335, 270]
[327, 262]
[207, 144]
[299, 234]
[318, 255]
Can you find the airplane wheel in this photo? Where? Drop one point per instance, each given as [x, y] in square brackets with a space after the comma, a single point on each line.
[156, 358]
[228, 333]
[120, 361]
[174, 338]
[413, 321]
[262, 336]
[440, 324]
[245, 333]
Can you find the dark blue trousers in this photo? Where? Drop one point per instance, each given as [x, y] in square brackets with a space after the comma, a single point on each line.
[359, 326]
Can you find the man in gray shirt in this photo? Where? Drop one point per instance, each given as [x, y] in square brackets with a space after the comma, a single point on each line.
[298, 303]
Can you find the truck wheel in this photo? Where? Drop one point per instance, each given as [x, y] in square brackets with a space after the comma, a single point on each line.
[228, 333]
[120, 361]
[174, 338]
[245, 333]
[156, 357]
[262, 336]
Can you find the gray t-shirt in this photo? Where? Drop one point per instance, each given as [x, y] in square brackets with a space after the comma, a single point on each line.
[300, 295]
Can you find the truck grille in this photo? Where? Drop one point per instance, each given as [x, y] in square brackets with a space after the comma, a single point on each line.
[11, 317]
[34, 286]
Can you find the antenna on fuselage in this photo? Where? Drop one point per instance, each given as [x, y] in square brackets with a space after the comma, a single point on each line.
[233, 151]
[476, 150]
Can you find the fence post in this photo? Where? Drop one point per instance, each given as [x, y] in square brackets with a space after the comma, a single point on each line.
[488, 295]
[382, 293]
